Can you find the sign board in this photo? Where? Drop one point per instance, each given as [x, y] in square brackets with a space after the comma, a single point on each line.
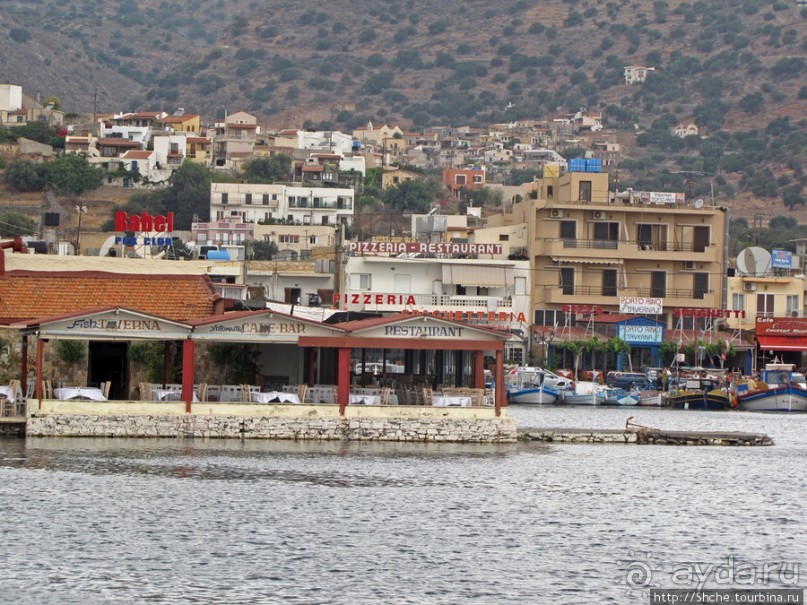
[264, 327]
[641, 305]
[790, 326]
[781, 259]
[116, 324]
[641, 335]
[662, 197]
[445, 248]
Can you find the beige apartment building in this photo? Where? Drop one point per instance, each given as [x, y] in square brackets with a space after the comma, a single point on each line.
[590, 248]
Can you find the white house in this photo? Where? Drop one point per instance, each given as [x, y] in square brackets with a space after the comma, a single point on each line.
[637, 73]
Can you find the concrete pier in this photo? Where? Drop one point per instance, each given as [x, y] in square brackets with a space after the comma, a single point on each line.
[643, 436]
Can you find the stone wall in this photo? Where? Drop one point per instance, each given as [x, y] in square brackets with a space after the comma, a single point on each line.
[492, 430]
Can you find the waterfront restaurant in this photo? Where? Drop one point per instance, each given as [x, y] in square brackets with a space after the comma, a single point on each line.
[326, 349]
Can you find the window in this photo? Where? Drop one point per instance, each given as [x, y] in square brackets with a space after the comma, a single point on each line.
[737, 302]
[325, 219]
[793, 305]
[700, 238]
[503, 237]
[303, 201]
[567, 280]
[658, 284]
[606, 235]
[360, 281]
[248, 199]
[549, 317]
[290, 218]
[312, 239]
[265, 199]
[396, 180]
[478, 179]
[289, 239]
[765, 305]
[700, 285]
[651, 237]
[585, 191]
[459, 179]
[274, 197]
[520, 286]
[550, 192]
[224, 197]
[292, 200]
[568, 233]
[609, 277]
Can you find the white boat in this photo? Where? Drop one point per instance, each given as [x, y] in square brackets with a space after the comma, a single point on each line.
[612, 396]
[529, 387]
[584, 393]
[778, 390]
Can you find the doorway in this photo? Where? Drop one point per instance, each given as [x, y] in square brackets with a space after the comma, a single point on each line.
[108, 362]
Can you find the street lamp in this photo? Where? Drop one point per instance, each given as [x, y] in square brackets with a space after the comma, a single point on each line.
[545, 340]
[81, 210]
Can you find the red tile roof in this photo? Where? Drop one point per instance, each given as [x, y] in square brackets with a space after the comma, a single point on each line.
[34, 294]
[135, 154]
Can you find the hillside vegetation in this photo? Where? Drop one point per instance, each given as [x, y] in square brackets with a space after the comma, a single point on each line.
[735, 67]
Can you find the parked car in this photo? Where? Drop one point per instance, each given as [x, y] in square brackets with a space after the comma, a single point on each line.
[627, 380]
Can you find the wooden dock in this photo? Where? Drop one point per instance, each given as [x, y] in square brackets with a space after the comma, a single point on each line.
[12, 425]
[643, 435]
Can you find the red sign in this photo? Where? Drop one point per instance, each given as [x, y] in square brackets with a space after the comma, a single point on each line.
[791, 326]
[681, 312]
[423, 248]
[144, 222]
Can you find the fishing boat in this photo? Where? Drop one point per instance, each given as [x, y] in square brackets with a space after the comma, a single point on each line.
[584, 393]
[651, 397]
[613, 396]
[779, 389]
[700, 393]
[530, 387]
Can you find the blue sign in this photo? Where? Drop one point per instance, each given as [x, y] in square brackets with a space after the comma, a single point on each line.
[781, 259]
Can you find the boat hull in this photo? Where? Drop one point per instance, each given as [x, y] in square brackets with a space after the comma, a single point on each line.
[700, 400]
[533, 396]
[617, 397]
[780, 399]
[585, 393]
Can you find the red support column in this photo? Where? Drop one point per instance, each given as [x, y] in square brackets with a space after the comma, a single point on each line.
[40, 357]
[188, 357]
[479, 369]
[343, 380]
[24, 366]
[501, 393]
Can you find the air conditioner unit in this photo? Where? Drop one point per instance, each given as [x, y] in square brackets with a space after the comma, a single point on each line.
[555, 213]
[599, 215]
[750, 286]
[689, 265]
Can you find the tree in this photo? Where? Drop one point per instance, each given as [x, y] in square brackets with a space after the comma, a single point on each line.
[71, 175]
[71, 352]
[415, 195]
[13, 224]
[268, 170]
[752, 103]
[238, 363]
[614, 346]
[189, 194]
[25, 175]
[576, 348]
[260, 250]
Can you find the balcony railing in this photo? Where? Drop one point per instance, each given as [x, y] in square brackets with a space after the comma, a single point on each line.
[674, 293]
[649, 292]
[600, 244]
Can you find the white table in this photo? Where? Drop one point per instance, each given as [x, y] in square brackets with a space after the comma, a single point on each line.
[169, 395]
[357, 398]
[8, 392]
[93, 393]
[275, 397]
[451, 400]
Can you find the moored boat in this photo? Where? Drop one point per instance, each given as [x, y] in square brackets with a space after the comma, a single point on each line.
[778, 390]
[532, 394]
[612, 396]
[702, 392]
[584, 393]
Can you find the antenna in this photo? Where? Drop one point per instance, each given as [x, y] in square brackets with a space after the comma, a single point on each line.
[754, 261]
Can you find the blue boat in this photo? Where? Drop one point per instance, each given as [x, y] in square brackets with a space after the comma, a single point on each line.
[779, 389]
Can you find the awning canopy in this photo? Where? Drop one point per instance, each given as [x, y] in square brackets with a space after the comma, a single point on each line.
[782, 343]
[477, 275]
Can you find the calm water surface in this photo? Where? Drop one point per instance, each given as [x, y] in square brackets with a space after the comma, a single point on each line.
[161, 521]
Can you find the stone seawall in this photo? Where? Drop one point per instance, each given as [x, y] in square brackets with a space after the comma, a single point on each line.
[492, 430]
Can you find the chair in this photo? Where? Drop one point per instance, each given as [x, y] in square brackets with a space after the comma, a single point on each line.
[145, 391]
[6, 405]
[428, 396]
[302, 390]
[246, 393]
[30, 390]
[201, 392]
[105, 386]
[47, 389]
[386, 392]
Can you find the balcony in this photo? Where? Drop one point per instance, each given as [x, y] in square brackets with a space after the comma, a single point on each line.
[628, 250]
[597, 295]
[425, 302]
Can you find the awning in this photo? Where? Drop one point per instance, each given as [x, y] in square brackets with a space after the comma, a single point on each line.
[588, 261]
[477, 275]
[782, 343]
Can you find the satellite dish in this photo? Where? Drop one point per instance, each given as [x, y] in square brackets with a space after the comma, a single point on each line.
[754, 261]
[698, 204]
